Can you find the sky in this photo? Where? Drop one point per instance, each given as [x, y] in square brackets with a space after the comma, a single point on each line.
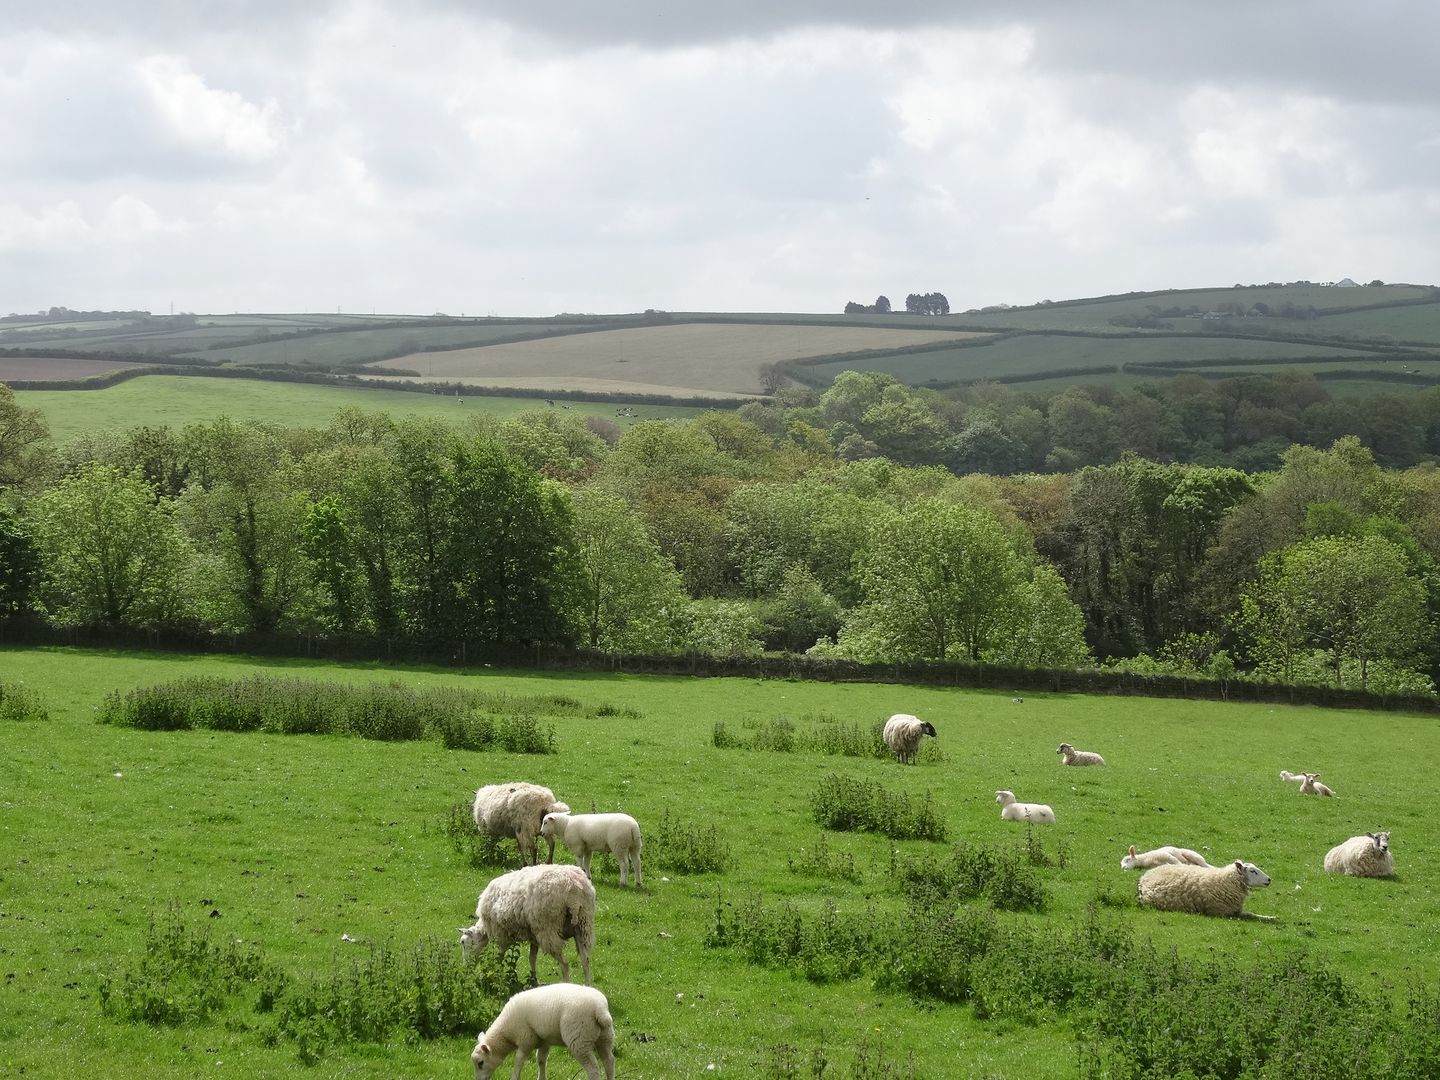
[485, 157]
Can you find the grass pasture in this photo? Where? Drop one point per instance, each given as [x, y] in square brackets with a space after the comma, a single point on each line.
[178, 400]
[704, 357]
[293, 841]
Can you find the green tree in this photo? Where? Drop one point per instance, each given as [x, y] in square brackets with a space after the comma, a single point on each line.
[111, 554]
[628, 593]
[24, 443]
[327, 539]
[1352, 598]
[19, 566]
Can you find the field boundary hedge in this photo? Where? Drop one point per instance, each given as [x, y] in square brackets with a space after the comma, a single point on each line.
[925, 673]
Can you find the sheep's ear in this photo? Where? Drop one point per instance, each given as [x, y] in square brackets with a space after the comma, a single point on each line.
[484, 1047]
[1132, 851]
[1240, 865]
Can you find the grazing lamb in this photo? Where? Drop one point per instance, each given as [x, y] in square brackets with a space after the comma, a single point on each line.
[577, 1016]
[543, 905]
[585, 834]
[1202, 890]
[1161, 856]
[1362, 856]
[1072, 756]
[516, 810]
[1292, 777]
[1011, 810]
[1311, 785]
[902, 735]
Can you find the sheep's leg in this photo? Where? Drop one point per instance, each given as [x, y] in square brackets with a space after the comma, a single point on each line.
[521, 1056]
[624, 860]
[540, 1056]
[586, 1058]
[584, 963]
[635, 860]
[534, 952]
[607, 1053]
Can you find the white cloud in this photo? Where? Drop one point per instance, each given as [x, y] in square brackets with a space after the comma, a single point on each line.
[219, 120]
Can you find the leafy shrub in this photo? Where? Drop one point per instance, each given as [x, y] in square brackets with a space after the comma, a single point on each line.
[781, 735]
[183, 976]
[847, 804]
[784, 1061]
[19, 702]
[458, 719]
[973, 871]
[823, 862]
[686, 847]
[480, 850]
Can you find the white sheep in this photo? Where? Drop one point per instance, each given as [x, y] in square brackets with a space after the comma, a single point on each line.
[1362, 856]
[1292, 777]
[1161, 856]
[1011, 810]
[576, 1016]
[1201, 890]
[585, 834]
[903, 733]
[543, 905]
[516, 809]
[1072, 756]
[1310, 785]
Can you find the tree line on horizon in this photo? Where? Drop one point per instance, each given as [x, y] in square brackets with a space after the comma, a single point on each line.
[724, 536]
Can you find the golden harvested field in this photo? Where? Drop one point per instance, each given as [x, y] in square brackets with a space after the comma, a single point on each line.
[22, 368]
[708, 358]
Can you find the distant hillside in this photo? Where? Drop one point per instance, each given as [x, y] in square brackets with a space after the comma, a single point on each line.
[1357, 339]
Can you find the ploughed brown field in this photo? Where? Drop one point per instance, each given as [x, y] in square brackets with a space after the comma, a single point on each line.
[712, 358]
[26, 368]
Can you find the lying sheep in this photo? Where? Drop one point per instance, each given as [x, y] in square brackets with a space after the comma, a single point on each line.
[585, 834]
[1161, 856]
[1292, 777]
[1202, 890]
[1310, 785]
[1362, 856]
[543, 905]
[1011, 810]
[516, 810]
[1071, 756]
[577, 1016]
[903, 733]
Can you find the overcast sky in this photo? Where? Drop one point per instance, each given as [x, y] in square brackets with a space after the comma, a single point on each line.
[774, 155]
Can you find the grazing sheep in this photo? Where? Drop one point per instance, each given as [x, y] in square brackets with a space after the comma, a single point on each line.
[1292, 777]
[543, 905]
[1311, 785]
[1201, 890]
[576, 1016]
[585, 834]
[1011, 810]
[1078, 757]
[1161, 856]
[516, 810]
[1362, 856]
[902, 735]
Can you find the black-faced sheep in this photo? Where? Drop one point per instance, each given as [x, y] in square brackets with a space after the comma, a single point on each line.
[517, 809]
[576, 1016]
[903, 733]
[543, 905]
[1362, 856]
[585, 834]
[1201, 890]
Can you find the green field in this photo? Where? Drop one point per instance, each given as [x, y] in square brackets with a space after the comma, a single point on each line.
[1027, 354]
[295, 841]
[178, 400]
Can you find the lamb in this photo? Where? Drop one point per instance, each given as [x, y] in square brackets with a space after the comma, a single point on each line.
[1362, 856]
[577, 1016]
[1202, 890]
[585, 834]
[1011, 810]
[516, 810]
[1161, 856]
[1072, 756]
[1292, 777]
[543, 905]
[1310, 785]
[902, 735]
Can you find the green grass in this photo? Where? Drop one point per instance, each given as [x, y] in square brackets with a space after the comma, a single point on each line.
[296, 840]
[178, 400]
